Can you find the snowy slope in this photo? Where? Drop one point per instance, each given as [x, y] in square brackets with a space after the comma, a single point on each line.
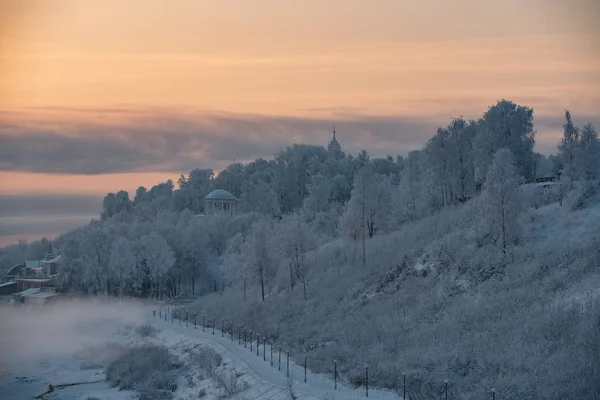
[266, 381]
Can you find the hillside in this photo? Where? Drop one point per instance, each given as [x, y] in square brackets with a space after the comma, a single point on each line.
[432, 302]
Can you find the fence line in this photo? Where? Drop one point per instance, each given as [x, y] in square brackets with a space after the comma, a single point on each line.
[445, 389]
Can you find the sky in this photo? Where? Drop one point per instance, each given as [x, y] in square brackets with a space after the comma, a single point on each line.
[102, 95]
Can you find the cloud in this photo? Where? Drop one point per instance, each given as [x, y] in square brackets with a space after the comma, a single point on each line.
[80, 141]
[38, 205]
[39, 226]
[90, 142]
[33, 216]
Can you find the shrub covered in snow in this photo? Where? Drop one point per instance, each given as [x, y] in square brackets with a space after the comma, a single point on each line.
[150, 370]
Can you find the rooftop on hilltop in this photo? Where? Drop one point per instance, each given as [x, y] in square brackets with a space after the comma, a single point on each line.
[220, 194]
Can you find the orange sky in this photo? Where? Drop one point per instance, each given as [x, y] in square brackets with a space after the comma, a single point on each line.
[317, 60]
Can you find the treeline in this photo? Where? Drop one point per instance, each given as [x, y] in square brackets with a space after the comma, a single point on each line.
[156, 244]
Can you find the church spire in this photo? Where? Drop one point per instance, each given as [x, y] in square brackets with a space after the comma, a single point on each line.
[334, 146]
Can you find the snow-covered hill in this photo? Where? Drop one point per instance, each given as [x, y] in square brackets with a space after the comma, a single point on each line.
[438, 300]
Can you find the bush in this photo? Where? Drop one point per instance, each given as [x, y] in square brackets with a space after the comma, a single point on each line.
[229, 383]
[146, 330]
[581, 195]
[149, 369]
[206, 358]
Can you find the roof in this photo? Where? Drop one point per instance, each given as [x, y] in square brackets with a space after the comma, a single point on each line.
[54, 260]
[7, 284]
[33, 279]
[334, 145]
[42, 295]
[32, 264]
[15, 270]
[28, 292]
[220, 194]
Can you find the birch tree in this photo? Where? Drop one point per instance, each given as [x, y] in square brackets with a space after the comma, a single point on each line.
[505, 125]
[501, 201]
[257, 258]
[589, 153]
[295, 240]
[122, 263]
[155, 258]
[368, 208]
[94, 252]
[568, 150]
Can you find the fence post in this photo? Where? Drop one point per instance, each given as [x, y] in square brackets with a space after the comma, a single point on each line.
[404, 386]
[271, 354]
[250, 341]
[203, 317]
[244, 337]
[334, 374]
[446, 385]
[367, 380]
[171, 316]
[280, 358]
[264, 348]
[194, 321]
[160, 312]
[213, 325]
[304, 369]
[493, 394]
[288, 364]
[257, 343]
[187, 319]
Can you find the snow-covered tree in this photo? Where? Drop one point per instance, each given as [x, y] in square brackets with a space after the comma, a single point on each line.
[94, 253]
[462, 168]
[122, 263]
[257, 255]
[71, 267]
[508, 125]
[408, 200]
[569, 150]
[588, 167]
[193, 250]
[368, 209]
[501, 201]
[260, 197]
[192, 189]
[295, 240]
[319, 195]
[155, 258]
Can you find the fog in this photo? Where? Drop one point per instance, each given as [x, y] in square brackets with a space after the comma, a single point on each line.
[31, 334]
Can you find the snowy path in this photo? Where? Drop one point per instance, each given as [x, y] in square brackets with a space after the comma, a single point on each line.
[266, 381]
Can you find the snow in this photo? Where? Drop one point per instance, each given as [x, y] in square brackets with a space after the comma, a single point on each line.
[266, 381]
[40, 347]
